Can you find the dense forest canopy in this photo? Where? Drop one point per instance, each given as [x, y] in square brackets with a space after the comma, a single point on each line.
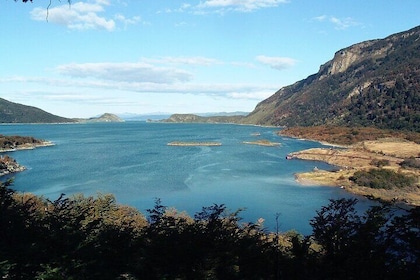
[96, 238]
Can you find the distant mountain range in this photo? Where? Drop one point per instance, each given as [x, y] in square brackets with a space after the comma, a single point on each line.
[375, 83]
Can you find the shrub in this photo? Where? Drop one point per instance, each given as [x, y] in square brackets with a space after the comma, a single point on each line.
[379, 162]
[382, 179]
[411, 162]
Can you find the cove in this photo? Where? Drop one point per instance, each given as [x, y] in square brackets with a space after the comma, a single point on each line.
[133, 161]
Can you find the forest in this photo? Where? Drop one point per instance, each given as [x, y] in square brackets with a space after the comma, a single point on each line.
[82, 237]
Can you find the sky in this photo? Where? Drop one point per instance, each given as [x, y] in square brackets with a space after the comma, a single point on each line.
[170, 56]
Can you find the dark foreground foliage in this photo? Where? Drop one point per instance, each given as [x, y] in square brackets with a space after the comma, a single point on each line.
[95, 238]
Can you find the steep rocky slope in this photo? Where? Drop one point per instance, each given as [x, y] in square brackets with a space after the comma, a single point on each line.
[373, 83]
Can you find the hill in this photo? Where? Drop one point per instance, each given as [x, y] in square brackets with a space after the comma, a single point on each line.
[192, 118]
[374, 83]
[17, 113]
[107, 117]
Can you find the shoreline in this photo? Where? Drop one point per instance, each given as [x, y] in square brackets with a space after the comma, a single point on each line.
[10, 165]
[360, 157]
[28, 146]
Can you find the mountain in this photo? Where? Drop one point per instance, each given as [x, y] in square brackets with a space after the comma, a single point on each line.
[17, 113]
[144, 117]
[192, 118]
[374, 83]
[107, 117]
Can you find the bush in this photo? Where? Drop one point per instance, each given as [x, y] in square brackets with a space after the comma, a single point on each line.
[411, 162]
[382, 179]
[379, 162]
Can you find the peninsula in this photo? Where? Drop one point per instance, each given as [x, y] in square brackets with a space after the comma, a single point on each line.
[374, 168]
[8, 165]
[13, 143]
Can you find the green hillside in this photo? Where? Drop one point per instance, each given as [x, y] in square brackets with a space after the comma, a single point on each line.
[374, 83]
[17, 113]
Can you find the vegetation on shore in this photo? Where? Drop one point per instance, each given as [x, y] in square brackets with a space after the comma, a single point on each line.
[8, 165]
[96, 238]
[10, 143]
[341, 135]
[369, 165]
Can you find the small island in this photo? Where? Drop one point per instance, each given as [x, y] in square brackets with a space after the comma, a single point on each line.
[262, 142]
[181, 143]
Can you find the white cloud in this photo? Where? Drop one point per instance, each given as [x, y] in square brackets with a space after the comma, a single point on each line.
[339, 23]
[194, 60]
[240, 5]
[125, 72]
[278, 63]
[82, 16]
[237, 91]
[253, 95]
[127, 21]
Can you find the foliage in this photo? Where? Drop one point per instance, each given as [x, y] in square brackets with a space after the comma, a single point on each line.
[411, 162]
[12, 142]
[382, 179]
[347, 135]
[95, 238]
[380, 162]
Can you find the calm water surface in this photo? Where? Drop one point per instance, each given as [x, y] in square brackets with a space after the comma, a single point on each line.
[132, 161]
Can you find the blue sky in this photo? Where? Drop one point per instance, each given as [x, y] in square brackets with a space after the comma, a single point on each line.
[149, 56]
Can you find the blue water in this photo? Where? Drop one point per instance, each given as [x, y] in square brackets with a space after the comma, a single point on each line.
[132, 161]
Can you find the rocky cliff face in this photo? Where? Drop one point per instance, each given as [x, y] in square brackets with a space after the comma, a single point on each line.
[9, 165]
[373, 83]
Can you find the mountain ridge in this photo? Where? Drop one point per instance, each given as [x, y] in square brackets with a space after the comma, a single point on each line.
[11, 112]
[372, 83]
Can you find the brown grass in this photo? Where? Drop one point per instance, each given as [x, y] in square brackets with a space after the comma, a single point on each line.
[360, 157]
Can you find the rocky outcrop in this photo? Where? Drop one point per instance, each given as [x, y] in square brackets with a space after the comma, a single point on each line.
[9, 165]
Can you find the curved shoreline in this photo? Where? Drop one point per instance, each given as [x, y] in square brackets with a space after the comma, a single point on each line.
[355, 158]
[10, 165]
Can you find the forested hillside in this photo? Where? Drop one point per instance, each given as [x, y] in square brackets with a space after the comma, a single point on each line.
[17, 113]
[373, 83]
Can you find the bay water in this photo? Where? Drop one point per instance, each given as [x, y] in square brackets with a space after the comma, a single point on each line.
[133, 161]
